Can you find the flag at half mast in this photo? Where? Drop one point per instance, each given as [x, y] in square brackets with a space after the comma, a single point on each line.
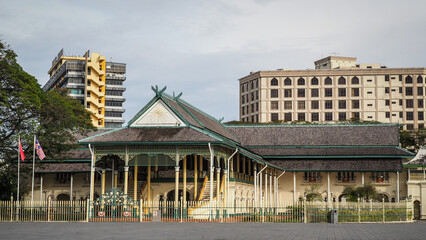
[40, 152]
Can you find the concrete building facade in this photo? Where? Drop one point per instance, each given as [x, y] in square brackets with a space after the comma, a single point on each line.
[338, 89]
[93, 81]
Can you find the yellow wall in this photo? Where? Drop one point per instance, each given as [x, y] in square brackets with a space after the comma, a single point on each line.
[97, 65]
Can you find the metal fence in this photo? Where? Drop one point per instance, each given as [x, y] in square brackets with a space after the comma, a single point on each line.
[43, 211]
[236, 211]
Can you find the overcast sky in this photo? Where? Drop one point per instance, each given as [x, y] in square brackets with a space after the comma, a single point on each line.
[202, 48]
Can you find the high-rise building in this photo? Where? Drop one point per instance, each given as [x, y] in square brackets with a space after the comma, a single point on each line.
[96, 83]
[337, 89]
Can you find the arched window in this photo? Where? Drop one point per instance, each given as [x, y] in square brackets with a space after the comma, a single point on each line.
[408, 79]
[355, 80]
[63, 197]
[274, 82]
[328, 81]
[314, 81]
[301, 81]
[287, 82]
[342, 81]
[419, 79]
[242, 88]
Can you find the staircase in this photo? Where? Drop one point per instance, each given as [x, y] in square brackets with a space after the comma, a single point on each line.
[131, 188]
[205, 194]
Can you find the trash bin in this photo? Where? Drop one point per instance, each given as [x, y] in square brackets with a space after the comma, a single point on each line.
[156, 215]
[334, 216]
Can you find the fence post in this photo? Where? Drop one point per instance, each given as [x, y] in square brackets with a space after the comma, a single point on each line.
[181, 208]
[87, 209]
[406, 210]
[359, 212]
[140, 211]
[11, 208]
[263, 210]
[305, 208]
[383, 206]
[17, 210]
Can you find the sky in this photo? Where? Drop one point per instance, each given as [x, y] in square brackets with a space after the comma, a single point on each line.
[202, 48]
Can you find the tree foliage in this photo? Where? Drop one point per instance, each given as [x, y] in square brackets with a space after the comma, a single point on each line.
[367, 192]
[25, 110]
[313, 194]
[412, 140]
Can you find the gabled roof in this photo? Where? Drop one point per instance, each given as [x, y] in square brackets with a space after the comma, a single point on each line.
[181, 122]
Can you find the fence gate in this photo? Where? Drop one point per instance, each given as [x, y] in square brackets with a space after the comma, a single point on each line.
[114, 206]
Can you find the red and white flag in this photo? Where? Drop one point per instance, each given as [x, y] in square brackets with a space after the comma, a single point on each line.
[40, 152]
[21, 151]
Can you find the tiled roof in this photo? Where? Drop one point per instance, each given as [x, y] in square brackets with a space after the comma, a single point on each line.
[208, 122]
[339, 165]
[316, 135]
[172, 103]
[62, 167]
[151, 134]
[330, 151]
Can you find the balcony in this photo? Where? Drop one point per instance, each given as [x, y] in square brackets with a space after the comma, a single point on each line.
[114, 109]
[115, 98]
[115, 87]
[112, 77]
[114, 120]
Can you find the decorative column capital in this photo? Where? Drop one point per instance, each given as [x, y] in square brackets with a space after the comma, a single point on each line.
[217, 170]
[126, 168]
[225, 171]
[176, 168]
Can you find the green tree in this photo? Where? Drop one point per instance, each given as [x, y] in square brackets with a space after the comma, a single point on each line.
[25, 110]
[367, 192]
[412, 140]
[313, 194]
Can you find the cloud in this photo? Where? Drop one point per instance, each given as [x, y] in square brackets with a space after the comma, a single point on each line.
[201, 48]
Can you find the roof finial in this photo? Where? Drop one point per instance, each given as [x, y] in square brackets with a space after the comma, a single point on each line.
[178, 96]
[220, 120]
[158, 92]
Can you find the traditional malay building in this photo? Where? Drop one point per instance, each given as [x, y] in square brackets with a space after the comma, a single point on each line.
[172, 151]
[416, 183]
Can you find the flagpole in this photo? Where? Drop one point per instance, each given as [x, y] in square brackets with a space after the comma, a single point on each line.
[32, 184]
[19, 163]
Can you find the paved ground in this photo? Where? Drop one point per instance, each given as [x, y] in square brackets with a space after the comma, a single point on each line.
[211, 231]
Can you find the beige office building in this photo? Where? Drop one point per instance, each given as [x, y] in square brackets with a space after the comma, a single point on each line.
[337, 89]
